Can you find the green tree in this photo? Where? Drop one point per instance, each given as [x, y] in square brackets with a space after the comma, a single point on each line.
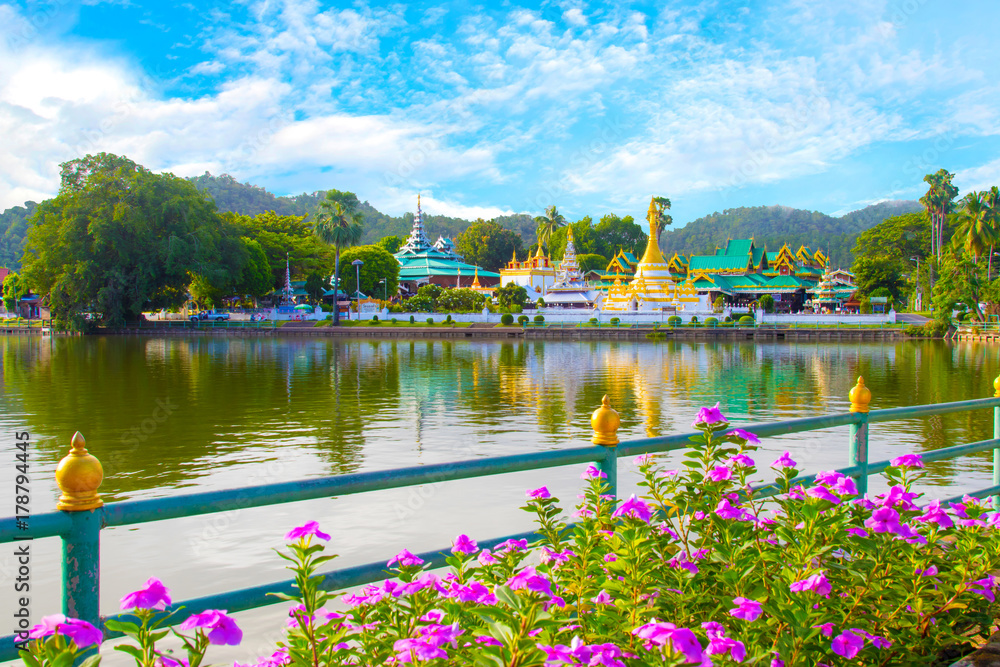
[511, 296]
[939, 202]
[993, 208]
[975, 225]
[391, 244]
[960, 282]
[461, 300]
[284, 238]
[378, 265]
[548, 224]
[13, 289]
[118, 238]
[256, 278]
[592, 262]
[339, 225]
[316, 285]
[619, 233]
[871, 273]
[767, 303]
[488, 244]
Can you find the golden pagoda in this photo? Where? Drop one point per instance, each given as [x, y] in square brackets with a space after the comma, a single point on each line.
[536, 273]
[652, 288]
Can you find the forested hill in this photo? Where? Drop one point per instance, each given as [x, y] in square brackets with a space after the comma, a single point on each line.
[771, 225]
[777, 225]
[13, 225]
[231, 195]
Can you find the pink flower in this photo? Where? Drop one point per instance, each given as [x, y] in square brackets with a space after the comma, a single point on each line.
[816, 583]
[593, 472]
[907, 461]
[680, 640]
[154, 596]
[725, 510]
[79, 632]
[860, 532]
[539, 493]
[643, 460]
[530, 579]
[221, 628]
[746, 436]
[822, 493]
[405, 559]
[465, 545]
[742, 460]
[784, 461]
[934, 514]
[745, 609]
[720, 474]
[847, 644]
[486, 558]
[826, 629]
[883, 520]
[710, 417]
[634, 508]
[311, 528]
[602, 598]
[984, 587]
[928, 572]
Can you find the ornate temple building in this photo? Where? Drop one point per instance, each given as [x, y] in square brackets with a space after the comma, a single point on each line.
[743, 271]
[570, 289]
[535, 274]
[653, 288]
[421, 263]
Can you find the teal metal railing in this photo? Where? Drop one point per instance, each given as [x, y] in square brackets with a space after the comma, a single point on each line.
[82, 515]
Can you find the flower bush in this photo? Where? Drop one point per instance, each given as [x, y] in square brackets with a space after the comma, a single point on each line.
[702, 569]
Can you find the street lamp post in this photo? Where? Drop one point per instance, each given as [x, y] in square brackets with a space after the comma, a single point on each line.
[357, 287]
[385, 289]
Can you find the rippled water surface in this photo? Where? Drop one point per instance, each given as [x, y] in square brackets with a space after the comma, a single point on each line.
[177, 415]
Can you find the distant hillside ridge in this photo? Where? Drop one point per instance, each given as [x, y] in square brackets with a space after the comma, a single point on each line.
[771, 225]
[231, 195]
[775, 226]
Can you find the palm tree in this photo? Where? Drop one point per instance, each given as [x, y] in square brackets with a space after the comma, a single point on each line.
[993, 215]
[974, 224]
[339, 225]
[547, 224]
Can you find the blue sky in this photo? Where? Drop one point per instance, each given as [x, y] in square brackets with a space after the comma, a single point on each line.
[511, 107]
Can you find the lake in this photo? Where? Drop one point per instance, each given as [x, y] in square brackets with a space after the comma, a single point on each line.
[184, 414]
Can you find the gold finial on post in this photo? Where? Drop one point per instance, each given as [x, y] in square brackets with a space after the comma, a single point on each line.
[79, 475]
[996, 387]
[605, 422]
[860, 396]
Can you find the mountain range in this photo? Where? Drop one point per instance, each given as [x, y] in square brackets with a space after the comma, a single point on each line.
[770, 225]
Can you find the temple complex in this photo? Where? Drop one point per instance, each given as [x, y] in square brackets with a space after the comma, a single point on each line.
[570, 290]
[535, 274]
[421, 263]
[653, 288]
[743, 271]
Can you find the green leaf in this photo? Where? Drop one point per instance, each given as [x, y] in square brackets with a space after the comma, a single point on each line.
[92, 661]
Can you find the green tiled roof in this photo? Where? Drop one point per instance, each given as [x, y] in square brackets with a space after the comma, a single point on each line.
[772, 257]
[717, 263]
[758, 254]
[423, 267]
[739, 248]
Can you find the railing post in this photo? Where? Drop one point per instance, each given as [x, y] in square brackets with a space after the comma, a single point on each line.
[996, 451]
[605, 422]
[79, 475]
[860, 397]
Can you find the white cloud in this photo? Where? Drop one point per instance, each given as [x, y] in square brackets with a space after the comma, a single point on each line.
[575, 17]
[982, 177]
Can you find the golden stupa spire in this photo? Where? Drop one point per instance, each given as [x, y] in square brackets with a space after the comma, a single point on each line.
[475, 279]
[653, 254]
[538, 253]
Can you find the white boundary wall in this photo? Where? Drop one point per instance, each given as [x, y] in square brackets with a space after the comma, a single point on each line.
[828, 320]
